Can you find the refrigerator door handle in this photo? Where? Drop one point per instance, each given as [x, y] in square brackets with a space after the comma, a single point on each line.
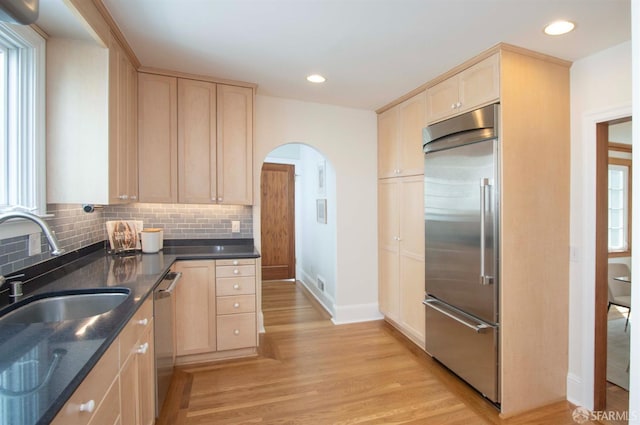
[478, 328]
[484, 279]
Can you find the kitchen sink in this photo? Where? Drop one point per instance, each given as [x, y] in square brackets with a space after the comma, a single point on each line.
[56, 307]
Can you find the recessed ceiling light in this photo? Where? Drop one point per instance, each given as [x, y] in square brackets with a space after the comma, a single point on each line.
[559, 27]
[316, 78]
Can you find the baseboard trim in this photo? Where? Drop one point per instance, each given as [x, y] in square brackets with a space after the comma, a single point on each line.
[355, 313]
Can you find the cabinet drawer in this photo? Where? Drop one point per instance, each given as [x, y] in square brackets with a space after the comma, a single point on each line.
[235, 286]
[109, 409]
[236, 304]
[91, 391]
[236, 331]
[134, 329]
[237, 262]
[231, 271]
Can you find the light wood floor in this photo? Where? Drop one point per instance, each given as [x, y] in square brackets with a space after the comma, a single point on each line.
[312, 372]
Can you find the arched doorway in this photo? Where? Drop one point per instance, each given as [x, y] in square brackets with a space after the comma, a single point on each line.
[306, 233]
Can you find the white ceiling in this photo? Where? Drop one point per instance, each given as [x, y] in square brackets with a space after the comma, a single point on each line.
[370, 51]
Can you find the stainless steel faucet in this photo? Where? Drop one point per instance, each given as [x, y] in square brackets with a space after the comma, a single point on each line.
[51, 237]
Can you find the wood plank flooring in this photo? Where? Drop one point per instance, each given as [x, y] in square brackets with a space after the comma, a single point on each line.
[310, 371]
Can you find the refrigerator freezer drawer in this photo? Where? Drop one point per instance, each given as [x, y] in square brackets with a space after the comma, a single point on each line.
[466, 346]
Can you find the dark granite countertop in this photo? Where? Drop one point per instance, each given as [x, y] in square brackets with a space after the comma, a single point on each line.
[42, 364]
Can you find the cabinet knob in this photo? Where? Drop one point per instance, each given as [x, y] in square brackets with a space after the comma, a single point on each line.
[236, 271]
[123, 197]
[219, 199]
[236, 331]
[236, 286]
[453, 106]
[236, 305]
[133, 197]
[458, 105]
[143, 348]
[88, 407]
[235, 262]
[143, 322]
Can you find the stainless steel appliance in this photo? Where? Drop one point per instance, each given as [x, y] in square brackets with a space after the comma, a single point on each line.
[461, 184]
[165, 348]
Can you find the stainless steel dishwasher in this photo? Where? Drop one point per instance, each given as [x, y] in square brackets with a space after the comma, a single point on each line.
[164, 312]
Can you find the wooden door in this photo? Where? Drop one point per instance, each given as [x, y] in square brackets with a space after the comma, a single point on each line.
[235, 145]
[277, 209]
[157, 138]
[196, 142]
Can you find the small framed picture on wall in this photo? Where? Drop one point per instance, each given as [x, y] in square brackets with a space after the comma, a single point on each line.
[322, 179]
[321, 208]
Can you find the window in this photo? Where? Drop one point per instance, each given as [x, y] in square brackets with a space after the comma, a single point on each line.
[619, 203]
[22, 118]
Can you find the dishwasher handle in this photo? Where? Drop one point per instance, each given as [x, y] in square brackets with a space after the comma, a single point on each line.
[174, 277]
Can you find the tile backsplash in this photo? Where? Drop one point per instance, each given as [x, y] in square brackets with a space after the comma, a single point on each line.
[76, 229]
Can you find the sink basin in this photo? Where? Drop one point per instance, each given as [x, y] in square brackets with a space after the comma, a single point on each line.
[57, 307]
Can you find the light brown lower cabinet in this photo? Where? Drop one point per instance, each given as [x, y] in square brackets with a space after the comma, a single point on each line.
[120, 389]
[215, 310]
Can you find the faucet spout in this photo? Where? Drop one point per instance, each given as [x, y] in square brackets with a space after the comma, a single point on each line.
[51, 237]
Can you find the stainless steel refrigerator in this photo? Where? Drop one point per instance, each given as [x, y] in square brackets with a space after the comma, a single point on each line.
[461, 198]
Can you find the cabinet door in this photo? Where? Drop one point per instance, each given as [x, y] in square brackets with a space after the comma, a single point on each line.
[116, 115]
[413, 119]
[388, 133]
[157, 138]
[479, 84]
[442, 99]
[196, 142]
[235, 145]
[388, 232]
[130, 391]
[411, 267]
[146, 378]
[196, 308]
[132, 132]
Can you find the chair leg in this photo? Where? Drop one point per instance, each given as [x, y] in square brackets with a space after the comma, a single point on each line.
[627, 322]
[608, 307]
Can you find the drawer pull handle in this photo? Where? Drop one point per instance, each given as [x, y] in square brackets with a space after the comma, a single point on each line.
[236, 331]
[88, 407]
[235, 262]
[236, 286]
[143, 348]
[236, 271]
[236, 305]
[143, 322]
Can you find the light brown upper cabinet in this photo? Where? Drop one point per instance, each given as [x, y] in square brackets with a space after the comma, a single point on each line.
[473, 87]
[123, 114]
[197, 142]
[400, 138]
[91, 140]
[157, 138]
[235, 145]
[210, 147]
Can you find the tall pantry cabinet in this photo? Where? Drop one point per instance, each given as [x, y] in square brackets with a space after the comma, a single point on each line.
[533, 161]
[400, 212]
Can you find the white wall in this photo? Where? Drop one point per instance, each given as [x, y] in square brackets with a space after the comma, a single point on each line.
[600, 91]
[315, 242]
[348, 139]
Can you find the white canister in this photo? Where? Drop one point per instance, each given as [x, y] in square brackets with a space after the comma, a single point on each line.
[151, 240]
